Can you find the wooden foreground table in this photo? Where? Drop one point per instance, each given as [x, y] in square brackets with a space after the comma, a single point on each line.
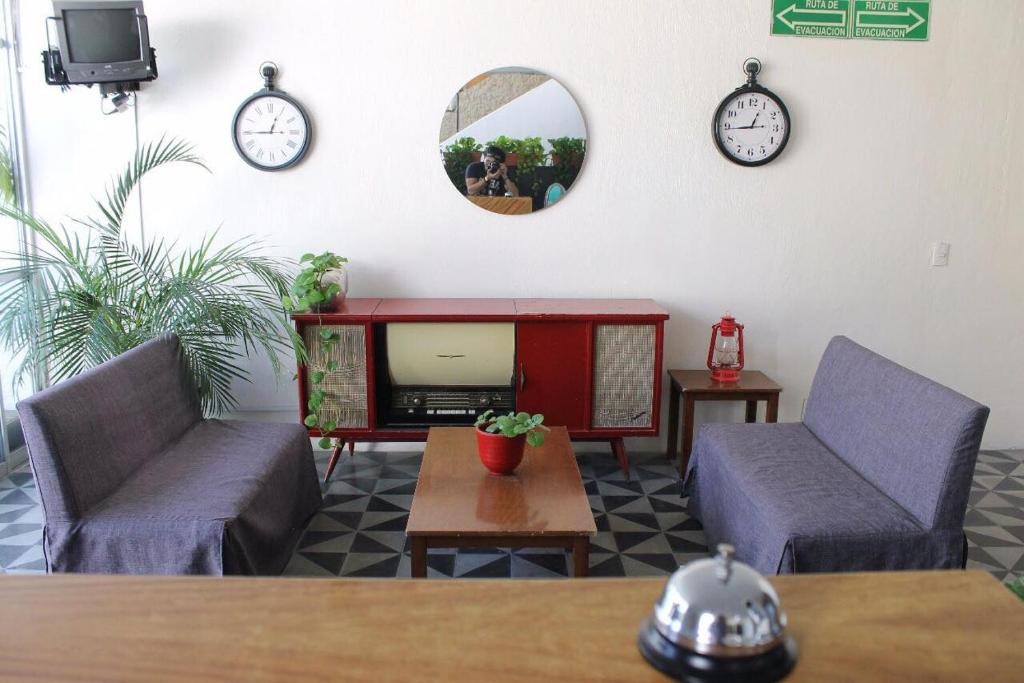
[909, 626]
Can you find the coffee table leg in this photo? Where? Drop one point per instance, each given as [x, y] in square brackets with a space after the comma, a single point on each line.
[580, 556]
[673, 424]
[751, 411]
[419, 557]
[772, 413]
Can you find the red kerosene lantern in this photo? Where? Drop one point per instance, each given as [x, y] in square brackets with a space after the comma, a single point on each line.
[725, 354]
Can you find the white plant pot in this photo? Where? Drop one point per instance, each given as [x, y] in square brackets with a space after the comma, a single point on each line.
[337, 276]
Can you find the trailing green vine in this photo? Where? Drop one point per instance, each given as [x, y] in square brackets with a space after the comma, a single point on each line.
[315, 420]
[310, 293]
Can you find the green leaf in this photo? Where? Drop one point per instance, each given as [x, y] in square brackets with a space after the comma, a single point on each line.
[329, 426]
[326, 335]
[1017, 586]
[324, 443]
[310, 421]
[307, 257]
[317, 376]
[332, 365]
[535, 439]
[492, 428]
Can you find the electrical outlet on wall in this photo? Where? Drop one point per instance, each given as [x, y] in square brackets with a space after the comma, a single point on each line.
[940, 254]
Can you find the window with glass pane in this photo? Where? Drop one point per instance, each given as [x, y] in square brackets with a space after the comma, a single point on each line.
[12, 235]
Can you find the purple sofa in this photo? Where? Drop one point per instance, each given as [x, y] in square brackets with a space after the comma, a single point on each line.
[875, 477]
[133, 480]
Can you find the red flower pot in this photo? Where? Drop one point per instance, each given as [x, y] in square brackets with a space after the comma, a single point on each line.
[498, 453]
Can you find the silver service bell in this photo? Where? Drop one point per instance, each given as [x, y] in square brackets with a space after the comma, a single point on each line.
[718, 620]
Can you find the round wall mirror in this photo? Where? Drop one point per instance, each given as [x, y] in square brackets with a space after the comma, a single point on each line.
[513, 141]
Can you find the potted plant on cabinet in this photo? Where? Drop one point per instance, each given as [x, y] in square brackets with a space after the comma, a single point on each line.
[501, 439]
[321, 286]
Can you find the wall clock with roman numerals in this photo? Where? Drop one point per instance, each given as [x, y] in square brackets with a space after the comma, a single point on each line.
[271, 130]
[751, 126]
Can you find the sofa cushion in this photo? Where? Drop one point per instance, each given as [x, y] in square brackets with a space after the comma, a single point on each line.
[761, 486]
[913, 439]
[228, 497]
[213, 472]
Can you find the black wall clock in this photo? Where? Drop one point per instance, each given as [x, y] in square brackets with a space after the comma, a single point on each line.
[271, 130]
[751, 125]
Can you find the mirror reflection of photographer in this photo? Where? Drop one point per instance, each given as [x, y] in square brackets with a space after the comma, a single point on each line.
[489, 176]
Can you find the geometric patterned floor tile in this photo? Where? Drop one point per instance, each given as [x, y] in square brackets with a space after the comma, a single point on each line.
[643, 525]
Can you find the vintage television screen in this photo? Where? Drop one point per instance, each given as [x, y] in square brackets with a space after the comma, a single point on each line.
[103, 42]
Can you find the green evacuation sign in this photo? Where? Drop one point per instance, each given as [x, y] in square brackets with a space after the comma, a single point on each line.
[871, 19]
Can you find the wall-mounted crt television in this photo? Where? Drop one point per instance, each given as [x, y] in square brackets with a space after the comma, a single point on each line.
[103, 42]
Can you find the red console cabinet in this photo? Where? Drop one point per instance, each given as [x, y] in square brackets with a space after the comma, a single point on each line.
[592, 365]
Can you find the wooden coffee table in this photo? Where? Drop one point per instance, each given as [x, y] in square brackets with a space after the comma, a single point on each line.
[459, 504]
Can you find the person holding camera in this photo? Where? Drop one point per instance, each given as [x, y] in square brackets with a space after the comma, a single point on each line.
[489, 176]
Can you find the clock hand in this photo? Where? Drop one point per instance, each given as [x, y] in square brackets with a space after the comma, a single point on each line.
[747, 127]
[274, 123]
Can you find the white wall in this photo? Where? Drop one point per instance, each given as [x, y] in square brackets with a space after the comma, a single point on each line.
[895, 145]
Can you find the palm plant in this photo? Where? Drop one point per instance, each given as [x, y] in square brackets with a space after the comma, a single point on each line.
[6, 169]
[85, 295]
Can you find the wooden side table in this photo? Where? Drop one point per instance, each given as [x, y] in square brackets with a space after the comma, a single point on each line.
[697, 385]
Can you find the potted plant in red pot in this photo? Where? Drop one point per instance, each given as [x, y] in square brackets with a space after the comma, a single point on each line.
[500, 439]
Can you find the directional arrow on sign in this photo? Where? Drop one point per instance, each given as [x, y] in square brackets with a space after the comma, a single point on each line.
[909, 14]
[788, 17]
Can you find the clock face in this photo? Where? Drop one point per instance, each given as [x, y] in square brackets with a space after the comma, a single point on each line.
[271, 132]
[751, 127]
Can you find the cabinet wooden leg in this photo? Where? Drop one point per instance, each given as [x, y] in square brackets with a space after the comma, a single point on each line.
[580, 556]
[351, 448]
[751, 411]
[671, 448]
[334, 461]
[419, 557]
[772, 413]
[619, 449]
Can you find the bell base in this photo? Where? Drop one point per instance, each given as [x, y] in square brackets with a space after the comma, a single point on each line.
[725, 375]
[690, 667]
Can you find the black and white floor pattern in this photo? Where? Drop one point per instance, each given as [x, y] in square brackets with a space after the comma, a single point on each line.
[643, 528]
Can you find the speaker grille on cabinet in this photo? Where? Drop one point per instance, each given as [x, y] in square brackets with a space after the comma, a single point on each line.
[623, 375]
[345, 402]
